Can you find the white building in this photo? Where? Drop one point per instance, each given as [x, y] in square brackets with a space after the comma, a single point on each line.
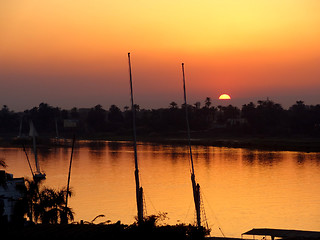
[9, 193]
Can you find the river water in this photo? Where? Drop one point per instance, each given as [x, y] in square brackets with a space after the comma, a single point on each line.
[241, 189]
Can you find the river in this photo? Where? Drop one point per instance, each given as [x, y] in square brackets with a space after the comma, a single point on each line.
[241, 189]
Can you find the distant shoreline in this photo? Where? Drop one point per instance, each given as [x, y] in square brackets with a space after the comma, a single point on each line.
[299, 144]
[252, 143]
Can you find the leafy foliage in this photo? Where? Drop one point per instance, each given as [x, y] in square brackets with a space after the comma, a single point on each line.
[46, 205]
[263, 117]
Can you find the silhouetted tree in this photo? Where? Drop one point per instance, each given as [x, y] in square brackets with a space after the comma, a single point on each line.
[249, 112]
[44, 117]
[136, 107]
[64, 114]
[96, 119]
[227, 112]
[264, 117]
[270, 117]
[46, 205]
[51, 208]
[304, 119]
[197, 105]
[9, 121]
[74, 113]
[173, 105]
[231, 112]
[207, 102]
[115, 115]
[31, 198]
[115, 118]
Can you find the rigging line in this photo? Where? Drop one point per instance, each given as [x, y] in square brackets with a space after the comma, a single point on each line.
[203, 212]
[190, 167]
[145, 213]
[144, 197]
[188, 210]
[212, 212]
[149, 199]
[24, 149]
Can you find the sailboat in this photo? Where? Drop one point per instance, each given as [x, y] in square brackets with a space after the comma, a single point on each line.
[21, 136]
[38, 175]
[195, 185]
[139, 189]
[20, 128]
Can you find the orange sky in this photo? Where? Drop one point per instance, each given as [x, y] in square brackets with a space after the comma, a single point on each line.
[74, 53]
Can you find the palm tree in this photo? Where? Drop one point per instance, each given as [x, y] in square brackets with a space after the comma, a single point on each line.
[207, 102]
[47, 205]
[32, 198]
[52, 209]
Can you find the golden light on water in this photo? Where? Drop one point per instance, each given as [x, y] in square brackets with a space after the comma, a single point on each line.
[241, 189]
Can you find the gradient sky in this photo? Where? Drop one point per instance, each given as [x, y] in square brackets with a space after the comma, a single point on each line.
[74, 53]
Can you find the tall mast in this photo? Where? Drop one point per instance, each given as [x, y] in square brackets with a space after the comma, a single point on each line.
[20, 128]
[195, 186]
[65, 215]
[57, 131]
[139, 190]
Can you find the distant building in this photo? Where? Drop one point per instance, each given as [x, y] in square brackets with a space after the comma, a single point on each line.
[9, 194]
[70, 123]
[237, 121]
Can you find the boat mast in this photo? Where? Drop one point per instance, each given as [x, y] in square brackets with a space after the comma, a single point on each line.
[65, 214]
[57, 132]
[139, 190]
[20, 128]
[195, 186]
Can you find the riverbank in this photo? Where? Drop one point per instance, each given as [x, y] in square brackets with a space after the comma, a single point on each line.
[257, 143]
[294, 143]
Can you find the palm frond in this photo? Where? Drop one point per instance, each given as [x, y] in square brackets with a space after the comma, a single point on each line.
[3, 163]
[99, 216]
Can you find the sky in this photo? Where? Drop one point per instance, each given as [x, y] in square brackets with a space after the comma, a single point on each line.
[74, 53]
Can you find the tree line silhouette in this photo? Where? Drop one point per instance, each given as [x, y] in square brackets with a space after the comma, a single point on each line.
[263, 118]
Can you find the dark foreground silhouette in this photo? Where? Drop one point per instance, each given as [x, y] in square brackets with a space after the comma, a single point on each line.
[106, 231]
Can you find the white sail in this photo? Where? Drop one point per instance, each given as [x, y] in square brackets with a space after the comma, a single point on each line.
[33, 131]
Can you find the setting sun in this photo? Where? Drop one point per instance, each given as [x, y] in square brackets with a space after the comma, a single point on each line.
[224, 97]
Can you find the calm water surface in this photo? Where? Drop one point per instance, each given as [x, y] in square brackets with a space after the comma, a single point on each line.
[241, 189]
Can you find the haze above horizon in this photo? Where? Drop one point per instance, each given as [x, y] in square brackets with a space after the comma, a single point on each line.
[74, 53]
